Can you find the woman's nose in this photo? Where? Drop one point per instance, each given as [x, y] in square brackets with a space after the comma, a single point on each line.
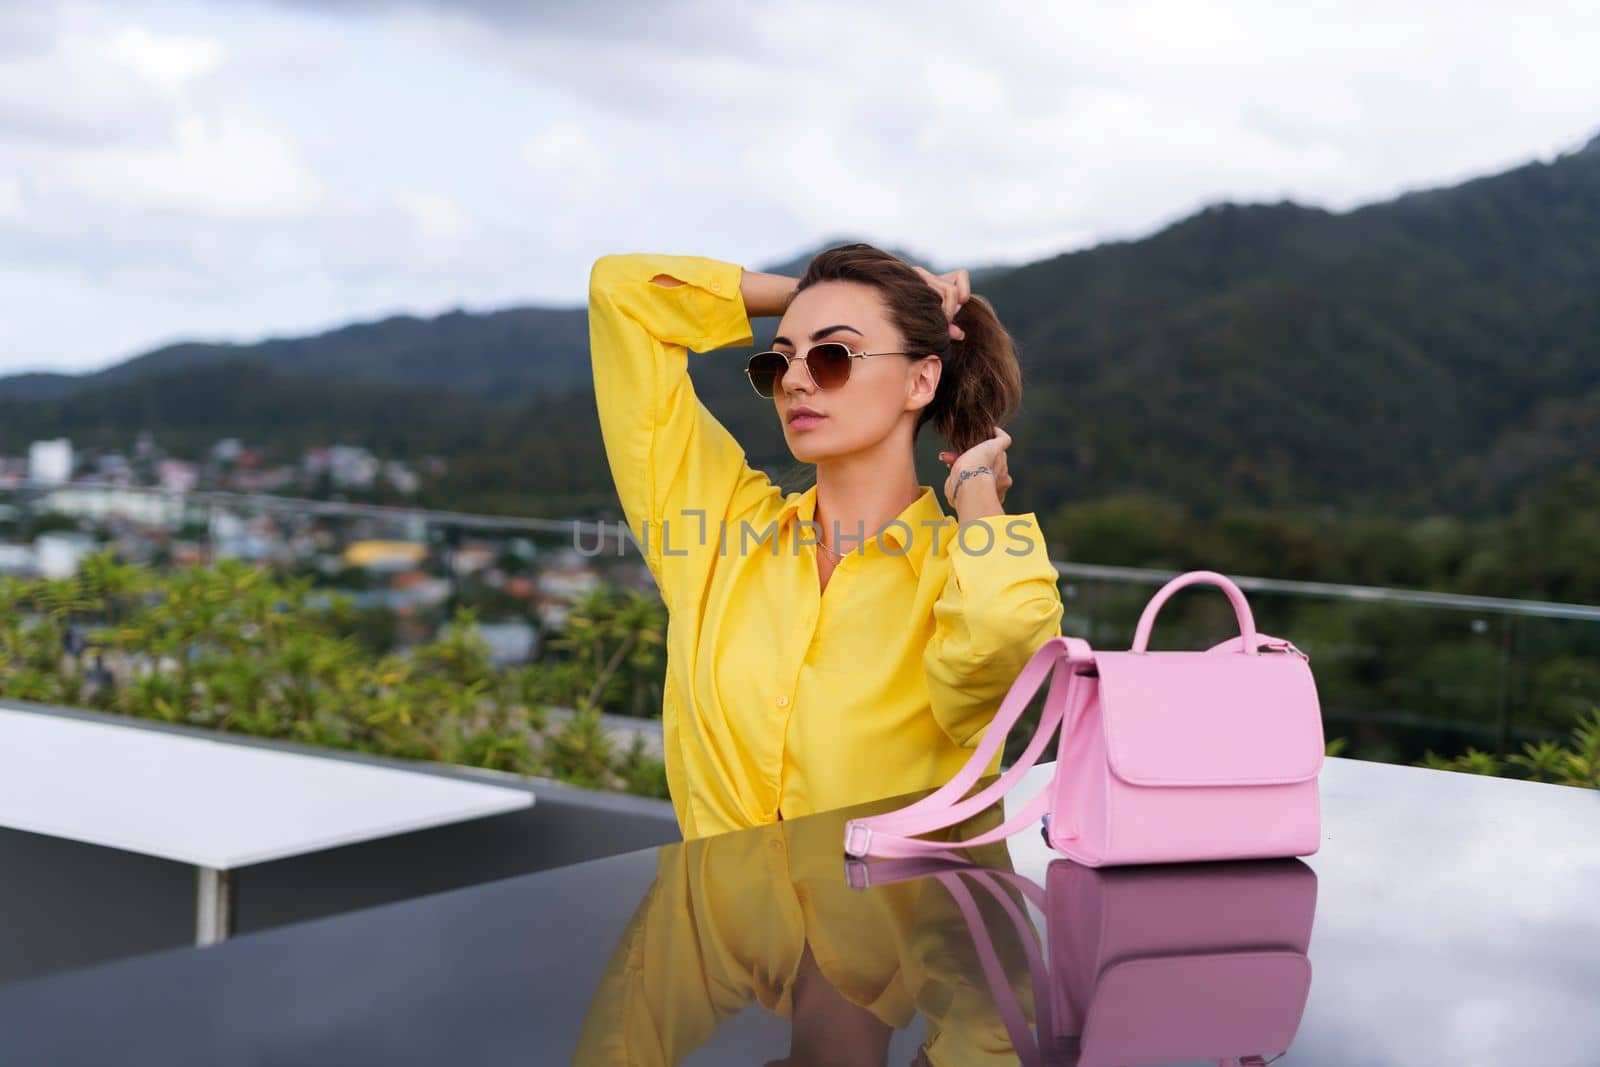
[795, 376]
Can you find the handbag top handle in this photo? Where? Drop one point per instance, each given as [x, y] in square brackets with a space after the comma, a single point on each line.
[1241, 608]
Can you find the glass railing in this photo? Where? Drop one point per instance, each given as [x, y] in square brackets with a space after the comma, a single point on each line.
[1399, 672]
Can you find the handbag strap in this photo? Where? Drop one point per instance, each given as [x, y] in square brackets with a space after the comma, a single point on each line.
[891, 834]
[1029, 1049]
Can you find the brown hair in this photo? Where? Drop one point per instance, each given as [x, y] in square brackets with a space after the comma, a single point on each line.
[980, 385]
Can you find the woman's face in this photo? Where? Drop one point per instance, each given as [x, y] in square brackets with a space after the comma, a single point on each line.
[880, 390]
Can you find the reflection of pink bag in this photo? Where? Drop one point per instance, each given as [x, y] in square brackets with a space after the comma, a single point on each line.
[1147, 964]
[1164, 757]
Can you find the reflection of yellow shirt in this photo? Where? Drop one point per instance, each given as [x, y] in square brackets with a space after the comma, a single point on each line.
[728, 917]
[779, 699]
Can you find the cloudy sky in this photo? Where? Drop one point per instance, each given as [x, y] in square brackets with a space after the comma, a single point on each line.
[237, 169]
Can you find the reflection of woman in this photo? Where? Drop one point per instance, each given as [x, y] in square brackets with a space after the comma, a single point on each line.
[780, 701]
[767, 917]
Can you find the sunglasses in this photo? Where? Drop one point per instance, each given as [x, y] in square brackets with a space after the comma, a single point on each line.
[828, 364]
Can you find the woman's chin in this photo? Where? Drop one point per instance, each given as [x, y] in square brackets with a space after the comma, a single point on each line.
[818, 444]
[810, 454]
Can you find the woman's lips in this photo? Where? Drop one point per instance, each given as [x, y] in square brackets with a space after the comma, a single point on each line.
[801, 422]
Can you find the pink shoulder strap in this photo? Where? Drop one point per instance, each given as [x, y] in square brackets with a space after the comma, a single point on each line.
[892, 833]
[948, 868]
[1028, 1049]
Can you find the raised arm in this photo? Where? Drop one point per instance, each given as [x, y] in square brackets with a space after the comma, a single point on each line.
[669, 456]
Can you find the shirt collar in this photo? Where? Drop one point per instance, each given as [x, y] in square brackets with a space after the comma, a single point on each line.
[910, 541]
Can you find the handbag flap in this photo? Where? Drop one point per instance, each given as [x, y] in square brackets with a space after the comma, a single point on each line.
[1210, 718]
[1161, 1009]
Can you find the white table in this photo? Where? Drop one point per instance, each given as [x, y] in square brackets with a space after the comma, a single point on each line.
[215, 804]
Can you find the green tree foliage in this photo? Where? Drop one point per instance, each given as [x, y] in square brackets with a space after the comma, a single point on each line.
[1575, 762]
[617, 647]
[1544, 549]
[239, 649]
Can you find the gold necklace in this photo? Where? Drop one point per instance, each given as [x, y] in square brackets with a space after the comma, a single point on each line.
[837, 555]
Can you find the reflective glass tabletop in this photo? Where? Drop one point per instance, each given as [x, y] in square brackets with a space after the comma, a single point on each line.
[1446, 919]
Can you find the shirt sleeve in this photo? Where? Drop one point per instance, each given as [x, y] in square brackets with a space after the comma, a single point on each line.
[670, 458]
[1000, 603]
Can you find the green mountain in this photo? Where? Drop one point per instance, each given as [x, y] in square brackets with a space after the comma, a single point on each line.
[512, 352]
[1438, 352]
[188, 409]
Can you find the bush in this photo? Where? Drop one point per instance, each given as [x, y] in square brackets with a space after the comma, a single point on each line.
[1577, 762]
[238, 649]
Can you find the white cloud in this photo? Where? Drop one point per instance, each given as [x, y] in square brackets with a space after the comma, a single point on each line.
[251, 168]
[168, 61]
[11, 206]
[68, 89]
[438, 218]
[441, 231]
[227, 166]
[562, 147]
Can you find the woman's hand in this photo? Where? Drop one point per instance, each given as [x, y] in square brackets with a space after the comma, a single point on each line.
[990, 453]
[954, 289]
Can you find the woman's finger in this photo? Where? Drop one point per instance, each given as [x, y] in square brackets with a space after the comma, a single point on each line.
[949, 293]
[960, 289]
[939, 282]
[954, 289]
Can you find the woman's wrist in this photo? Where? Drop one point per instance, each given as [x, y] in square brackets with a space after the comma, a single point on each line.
[977, 498]
[766, 295]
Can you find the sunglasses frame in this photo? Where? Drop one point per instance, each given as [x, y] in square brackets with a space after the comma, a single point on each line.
[788, 359]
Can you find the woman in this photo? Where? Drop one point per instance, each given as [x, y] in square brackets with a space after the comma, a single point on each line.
[851, 641]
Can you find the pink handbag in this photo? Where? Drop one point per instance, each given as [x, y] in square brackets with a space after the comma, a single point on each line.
[1146, 964]
[1164, 757]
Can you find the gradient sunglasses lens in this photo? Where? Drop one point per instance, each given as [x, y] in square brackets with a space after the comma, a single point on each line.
[765, 369]
[829, 364]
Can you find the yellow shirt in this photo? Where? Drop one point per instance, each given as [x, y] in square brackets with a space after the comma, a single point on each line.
[781, 698]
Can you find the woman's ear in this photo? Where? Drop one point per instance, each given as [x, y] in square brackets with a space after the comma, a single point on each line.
[924, 382]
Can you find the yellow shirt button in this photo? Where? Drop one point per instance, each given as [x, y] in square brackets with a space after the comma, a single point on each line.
[716, 287]
[783, 702]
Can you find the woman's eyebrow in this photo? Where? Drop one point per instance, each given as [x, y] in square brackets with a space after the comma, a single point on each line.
[820, 334]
